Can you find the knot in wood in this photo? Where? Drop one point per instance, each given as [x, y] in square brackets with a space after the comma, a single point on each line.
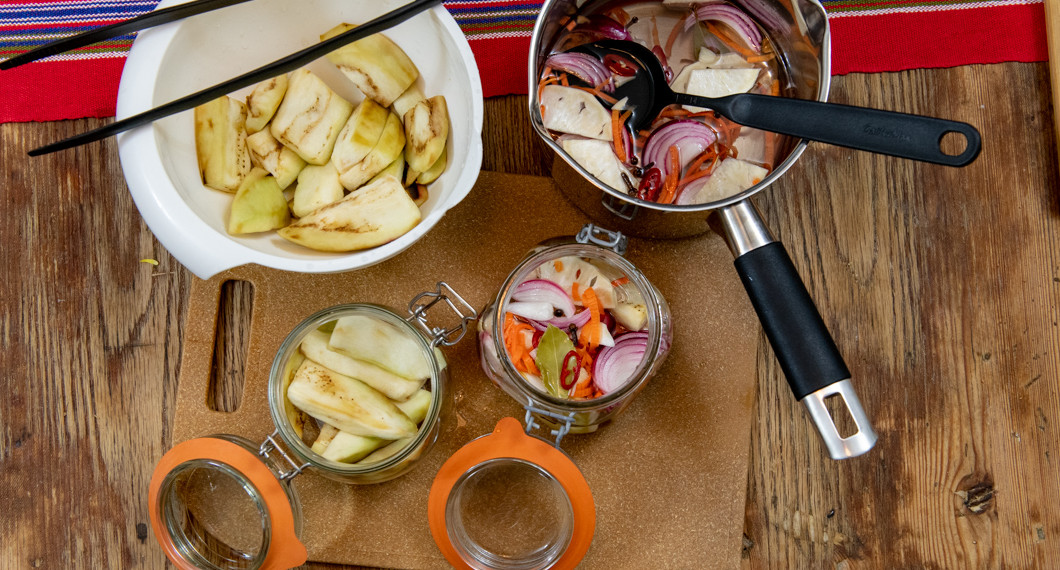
[977, 494]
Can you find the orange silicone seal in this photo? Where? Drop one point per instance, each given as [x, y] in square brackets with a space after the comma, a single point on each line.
[508, 440]
[284, 549]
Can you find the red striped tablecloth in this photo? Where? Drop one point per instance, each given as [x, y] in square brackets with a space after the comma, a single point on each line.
[867, 36]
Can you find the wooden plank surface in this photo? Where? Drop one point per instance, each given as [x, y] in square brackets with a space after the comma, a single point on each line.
[940, 286]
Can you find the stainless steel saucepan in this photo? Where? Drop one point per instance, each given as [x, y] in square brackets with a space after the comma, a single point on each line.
[805, 349]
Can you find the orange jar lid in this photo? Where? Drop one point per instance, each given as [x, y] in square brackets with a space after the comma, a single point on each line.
[218, 465]
[510, 442]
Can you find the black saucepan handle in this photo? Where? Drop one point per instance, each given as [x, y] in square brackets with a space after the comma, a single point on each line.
[804, 347]
[801, 341]
[885, 132]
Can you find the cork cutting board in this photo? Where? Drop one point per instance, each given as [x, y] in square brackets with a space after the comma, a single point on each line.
[668, 476]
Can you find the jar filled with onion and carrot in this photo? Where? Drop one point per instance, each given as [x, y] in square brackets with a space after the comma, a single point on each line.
[575, 331]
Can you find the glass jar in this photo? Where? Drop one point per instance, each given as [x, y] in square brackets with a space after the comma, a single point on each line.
[599, 253]
[224, 502]
[512, 500]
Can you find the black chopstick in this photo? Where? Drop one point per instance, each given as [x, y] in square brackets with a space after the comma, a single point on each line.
[289, 63]
[141, 22]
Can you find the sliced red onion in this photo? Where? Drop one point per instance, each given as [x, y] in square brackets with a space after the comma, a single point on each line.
[584, 67]
[687, 195]
[730, 16]
[766, 13]
[545, 291]
[579, 320]
[691, 138]
[533, 310]
[606, 27]
[614, 366]
[633, 336]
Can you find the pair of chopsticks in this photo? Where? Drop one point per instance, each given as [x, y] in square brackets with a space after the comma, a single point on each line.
[280, 66]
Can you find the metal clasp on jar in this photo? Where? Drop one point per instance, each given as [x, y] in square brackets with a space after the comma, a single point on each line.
[565, 422]
[271, 443]
[420, 304]
[593, 234]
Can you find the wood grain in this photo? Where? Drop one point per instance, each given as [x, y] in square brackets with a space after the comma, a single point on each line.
[940, 286]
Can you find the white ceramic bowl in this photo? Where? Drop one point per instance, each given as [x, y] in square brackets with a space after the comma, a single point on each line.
[177, 59]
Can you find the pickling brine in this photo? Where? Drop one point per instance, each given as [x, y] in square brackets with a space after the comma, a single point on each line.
[687, 155]
[576, 329]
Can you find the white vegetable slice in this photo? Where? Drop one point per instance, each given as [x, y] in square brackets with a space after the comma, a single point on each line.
[731, 177]
[598, 158]
[574, 111]
[721, 82]
[731, 61]
[706, 59]
[317, 187]
[310, 117]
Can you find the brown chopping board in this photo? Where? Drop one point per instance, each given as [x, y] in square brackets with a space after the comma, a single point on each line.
[668, 476]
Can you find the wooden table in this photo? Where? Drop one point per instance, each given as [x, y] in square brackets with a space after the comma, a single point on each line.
[940, 285]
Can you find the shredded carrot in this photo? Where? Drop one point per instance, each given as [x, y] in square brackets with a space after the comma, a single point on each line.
[585, 358]
[695, 176]
[759, 57]
[725, 37]
[619, 15]
[669, 188]
[563, 80]
[616, 135]
[591, 331]
[769, 147]
[620, 281]
[574, 292]
[673, 111]
[704, 156]
[583, 389]
[529, 364]
[678, 27]
[570, 24]
[517, 349]
[704, 114]
[596, 92]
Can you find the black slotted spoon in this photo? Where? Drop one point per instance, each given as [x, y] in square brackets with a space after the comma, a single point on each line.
[885, 132]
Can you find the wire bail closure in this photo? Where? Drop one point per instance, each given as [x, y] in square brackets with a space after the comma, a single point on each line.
[272, 444]
[593, 234]
[438, 335]
[532, 424]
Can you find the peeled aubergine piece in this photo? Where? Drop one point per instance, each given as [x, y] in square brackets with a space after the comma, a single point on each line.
[376, 214]
[221, 143]
[375, 64]
[310, 117]
[347, 403]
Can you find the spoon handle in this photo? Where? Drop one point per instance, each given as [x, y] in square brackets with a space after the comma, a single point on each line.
[886, 132]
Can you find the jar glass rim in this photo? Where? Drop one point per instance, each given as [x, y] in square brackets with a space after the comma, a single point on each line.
[290, 346]
[647, 291]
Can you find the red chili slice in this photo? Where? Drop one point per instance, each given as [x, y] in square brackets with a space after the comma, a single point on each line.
[650, 185]
[619, 65]
[568, 372]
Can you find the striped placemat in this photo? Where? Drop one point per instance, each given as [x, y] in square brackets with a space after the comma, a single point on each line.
[867, 36]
